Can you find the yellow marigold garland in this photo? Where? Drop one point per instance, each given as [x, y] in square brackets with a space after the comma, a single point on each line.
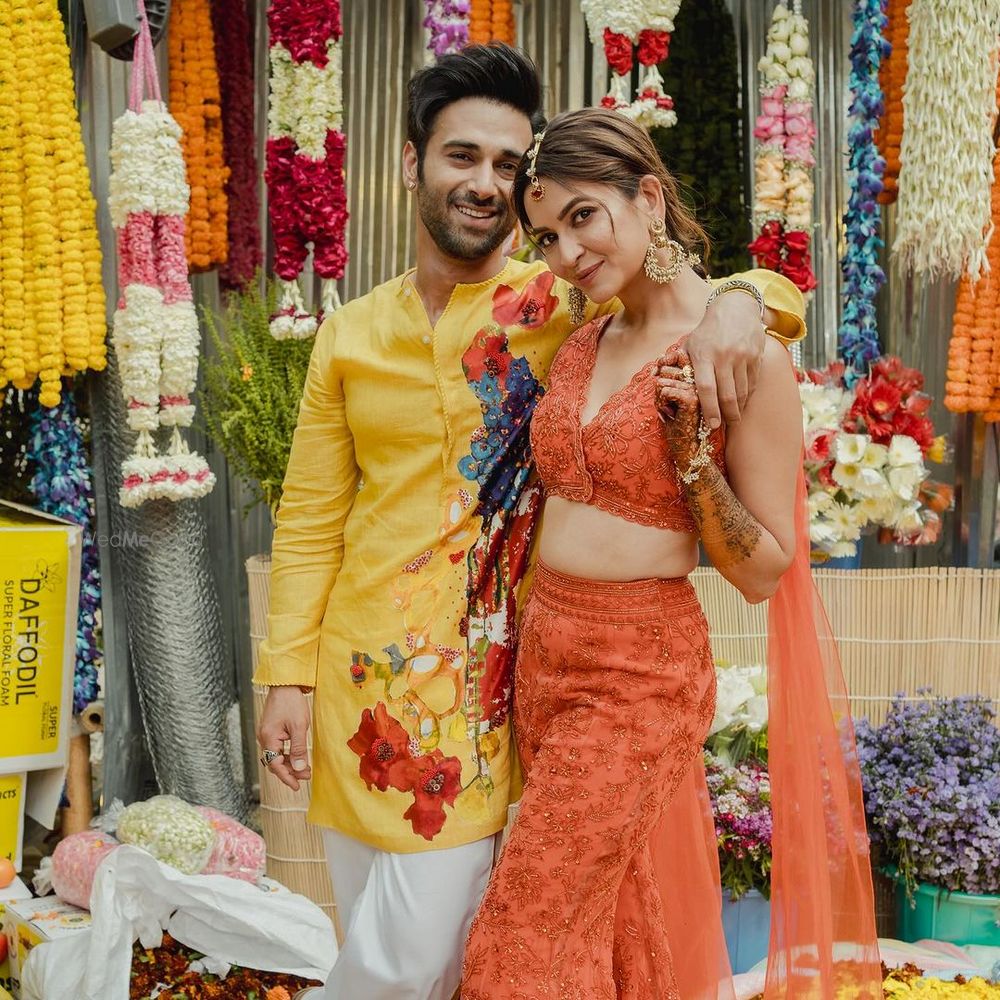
[52, 298]
[195, 104]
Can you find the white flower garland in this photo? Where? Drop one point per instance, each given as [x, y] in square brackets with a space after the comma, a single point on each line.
[651, 107]
[155, 327]
[306, 100]
[946, 155]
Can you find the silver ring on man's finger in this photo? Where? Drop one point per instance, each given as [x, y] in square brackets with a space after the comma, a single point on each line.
[268, 757]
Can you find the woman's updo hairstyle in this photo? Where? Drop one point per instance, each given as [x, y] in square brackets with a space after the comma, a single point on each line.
[605, 147]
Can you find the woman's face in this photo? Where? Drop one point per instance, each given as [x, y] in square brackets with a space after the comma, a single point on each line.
[592, 235]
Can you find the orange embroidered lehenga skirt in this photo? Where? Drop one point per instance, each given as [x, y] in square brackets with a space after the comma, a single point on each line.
[614, 695]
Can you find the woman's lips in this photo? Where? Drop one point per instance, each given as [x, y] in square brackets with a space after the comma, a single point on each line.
[585, 276]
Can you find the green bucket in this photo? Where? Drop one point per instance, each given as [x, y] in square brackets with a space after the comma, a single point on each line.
[958, 917]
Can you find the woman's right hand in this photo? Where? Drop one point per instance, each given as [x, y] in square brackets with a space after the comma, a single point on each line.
[286, 718]
[677, 401]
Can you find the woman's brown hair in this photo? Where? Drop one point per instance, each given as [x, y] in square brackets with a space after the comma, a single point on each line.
[605, 147]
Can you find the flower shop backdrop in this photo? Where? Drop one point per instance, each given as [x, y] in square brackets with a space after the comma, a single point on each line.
[771, 124]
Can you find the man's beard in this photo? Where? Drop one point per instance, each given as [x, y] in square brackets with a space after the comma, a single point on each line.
[456, 243]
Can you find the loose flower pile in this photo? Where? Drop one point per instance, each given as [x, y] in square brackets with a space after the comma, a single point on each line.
[305, 156]
[155, 333]
[785, 132]
[52, 318]
[863, 277]
[234, 56]
[447, 24]
[943, 217]
[645, 25]
[864, 458]
[931, 777]
[195, 104]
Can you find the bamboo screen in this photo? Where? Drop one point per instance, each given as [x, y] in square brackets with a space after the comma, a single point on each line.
[898, 630]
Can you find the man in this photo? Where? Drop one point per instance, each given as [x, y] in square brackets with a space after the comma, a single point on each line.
[404, 533]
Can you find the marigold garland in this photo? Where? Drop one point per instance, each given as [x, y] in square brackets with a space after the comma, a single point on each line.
[973, 373]
[785, 131]
[234, 56]
[52, 308]
[892, 77]
[863, 277]
[305, 156]
[195, 105]
[943, 216]
[646, 25]
[447, 24]
[155, 327]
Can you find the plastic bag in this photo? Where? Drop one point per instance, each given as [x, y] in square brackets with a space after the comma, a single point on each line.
[238, 851]
[171, 830]
[137, 897]
[75, 862]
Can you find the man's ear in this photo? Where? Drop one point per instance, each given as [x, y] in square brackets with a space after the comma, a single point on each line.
[410, 165]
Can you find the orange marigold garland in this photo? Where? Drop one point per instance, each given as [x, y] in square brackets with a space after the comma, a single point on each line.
[195, 104]
[973, 374]
[491, 21]
[892, 76]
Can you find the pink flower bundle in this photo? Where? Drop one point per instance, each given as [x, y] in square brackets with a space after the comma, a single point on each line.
[305, 156]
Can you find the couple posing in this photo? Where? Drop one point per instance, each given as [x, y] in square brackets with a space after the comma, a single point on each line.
[645, 409]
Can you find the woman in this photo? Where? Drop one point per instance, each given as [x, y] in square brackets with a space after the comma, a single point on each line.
[610, 869]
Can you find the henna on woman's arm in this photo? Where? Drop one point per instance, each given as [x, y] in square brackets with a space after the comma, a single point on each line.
[729, 532]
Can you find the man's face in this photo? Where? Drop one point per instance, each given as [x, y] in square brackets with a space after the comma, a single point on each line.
[466, 174]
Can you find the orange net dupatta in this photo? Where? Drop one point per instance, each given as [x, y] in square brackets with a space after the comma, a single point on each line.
[823, 940]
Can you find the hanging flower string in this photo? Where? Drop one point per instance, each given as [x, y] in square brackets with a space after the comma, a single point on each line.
[643, 25]
[195, 105]
[62, 486]
[234, 56]
[863, 277]
[155, 327]
[943, 222]
[892, 76]
[305, 156]
[447, 24]
[973, 373]
[491, 21]
[785, 133]
[52, 306]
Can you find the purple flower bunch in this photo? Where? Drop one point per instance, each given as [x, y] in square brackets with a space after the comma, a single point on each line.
[931, 775]
[447, 21]
[741, 804]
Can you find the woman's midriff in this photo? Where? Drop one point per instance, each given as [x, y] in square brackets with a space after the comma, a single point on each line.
[582, 540]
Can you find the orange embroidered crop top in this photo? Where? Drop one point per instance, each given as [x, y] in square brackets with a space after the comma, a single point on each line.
[619, 461]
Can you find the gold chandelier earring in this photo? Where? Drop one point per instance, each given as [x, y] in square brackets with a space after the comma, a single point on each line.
[577, 305]
[677, 256]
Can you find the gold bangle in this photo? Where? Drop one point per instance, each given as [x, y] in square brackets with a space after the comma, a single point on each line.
[740, 285]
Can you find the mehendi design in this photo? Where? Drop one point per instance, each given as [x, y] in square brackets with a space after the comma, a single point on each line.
[729, 532]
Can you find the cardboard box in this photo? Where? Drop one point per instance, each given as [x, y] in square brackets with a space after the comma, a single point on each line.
[12, 798]
[30, 922]
[15, 891]
[39, 594]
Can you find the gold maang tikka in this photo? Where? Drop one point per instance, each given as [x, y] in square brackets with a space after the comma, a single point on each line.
[537, 188]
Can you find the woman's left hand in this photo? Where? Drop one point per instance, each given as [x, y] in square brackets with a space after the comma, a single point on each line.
[677, 401]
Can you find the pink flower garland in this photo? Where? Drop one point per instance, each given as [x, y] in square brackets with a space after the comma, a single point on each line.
[235, 63]
[785, 132]
[305, 156]
[447, 24]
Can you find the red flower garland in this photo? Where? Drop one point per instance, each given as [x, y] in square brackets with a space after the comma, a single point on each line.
[305, 156]
[233, 55]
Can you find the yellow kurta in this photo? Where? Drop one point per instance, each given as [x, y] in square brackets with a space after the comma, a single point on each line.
[403, 533]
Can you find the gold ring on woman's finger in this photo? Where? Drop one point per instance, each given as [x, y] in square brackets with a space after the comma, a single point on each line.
[687, 373]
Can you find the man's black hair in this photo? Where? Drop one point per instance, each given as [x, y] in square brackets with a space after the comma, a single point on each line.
[494, 72]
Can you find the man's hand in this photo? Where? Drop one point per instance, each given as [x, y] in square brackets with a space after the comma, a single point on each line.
[286, 717]
[726, 349]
